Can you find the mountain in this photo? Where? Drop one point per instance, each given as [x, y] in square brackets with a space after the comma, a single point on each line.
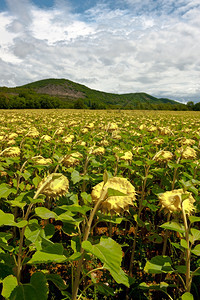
[68, 94]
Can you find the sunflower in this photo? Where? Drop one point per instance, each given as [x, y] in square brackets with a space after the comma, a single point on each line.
[128, 156]
[187, 152]
[171, 201]
[115, 203]
[72, 159]
[40, 160]
[11, 152]
[163, 156]
[54, 185]
[98, 151]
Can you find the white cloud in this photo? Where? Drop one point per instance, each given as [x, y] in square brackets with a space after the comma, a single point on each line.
[53, 28]
[150, 46]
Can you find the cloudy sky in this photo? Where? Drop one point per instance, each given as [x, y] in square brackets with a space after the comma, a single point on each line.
[119, 46]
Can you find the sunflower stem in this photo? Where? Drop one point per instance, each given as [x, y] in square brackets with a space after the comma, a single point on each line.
[136, 228]
[187, 252]
[85, 238]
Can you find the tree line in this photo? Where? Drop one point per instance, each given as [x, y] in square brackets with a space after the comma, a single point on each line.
[33, 100]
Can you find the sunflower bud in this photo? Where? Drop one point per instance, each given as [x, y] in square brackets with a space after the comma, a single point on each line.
[188, 142]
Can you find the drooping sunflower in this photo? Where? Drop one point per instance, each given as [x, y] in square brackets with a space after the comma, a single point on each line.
[72, 159]
[163, 156]
[54, 185]
[10, 152]
[187, 152]
[173, 201]
[40, 160]
[115, 204]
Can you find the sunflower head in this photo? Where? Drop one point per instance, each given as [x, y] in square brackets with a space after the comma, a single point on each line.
[115, 204]
[112, 126]
[54, 185]
[128, 156]
[12, 136]
[72, 160]
[98, 151]
[163, 156]
[187, 152]
[188, 142]
[46, 138]
[40, 160]
[157, 141]
[33, 133]
[10, 152]
[164, 130]
[176, 200]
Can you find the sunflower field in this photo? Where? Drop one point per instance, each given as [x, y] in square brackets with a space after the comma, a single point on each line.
[99, 204]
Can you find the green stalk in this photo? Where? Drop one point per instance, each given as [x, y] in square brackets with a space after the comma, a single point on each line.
[136, 228]
[116, 167]
[166, 236]
[19, 258]
[175, 173]
[22, 231]
[187, 253]
[85, 238]
[169, 214]
[85, 172]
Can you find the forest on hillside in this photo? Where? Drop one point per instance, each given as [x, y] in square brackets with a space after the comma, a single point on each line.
[32, 100]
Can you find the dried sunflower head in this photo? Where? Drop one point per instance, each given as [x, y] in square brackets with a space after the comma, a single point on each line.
[171, 201]
[54, 185]
[115, 204]
[10, 152]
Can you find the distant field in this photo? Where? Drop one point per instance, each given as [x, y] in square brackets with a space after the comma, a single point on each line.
[117, 188]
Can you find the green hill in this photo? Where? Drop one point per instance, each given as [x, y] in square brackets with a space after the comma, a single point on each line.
[63, 93]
